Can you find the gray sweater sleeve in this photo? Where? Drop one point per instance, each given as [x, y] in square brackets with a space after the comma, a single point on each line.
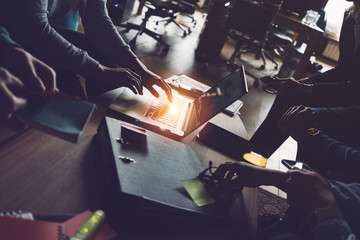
[30, 27]
[103, 34]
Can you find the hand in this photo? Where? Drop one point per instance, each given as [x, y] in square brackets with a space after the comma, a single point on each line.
[296, 121]
[289, 86]
[35, 75]
[150, 79]
[239, 174]
[11, 95]
[307, 191]
[119, 77]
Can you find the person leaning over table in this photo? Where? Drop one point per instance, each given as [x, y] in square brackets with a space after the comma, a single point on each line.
[337, 87]
[323, 136]
[319, 208]
[20, 74]
[100, 55]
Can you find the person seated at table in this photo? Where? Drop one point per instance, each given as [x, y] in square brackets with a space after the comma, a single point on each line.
[20, 74]
[337, 87]
[319, 208]
[100, 55]
[328, 139]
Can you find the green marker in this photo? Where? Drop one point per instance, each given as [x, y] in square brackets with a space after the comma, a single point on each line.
[89, 226]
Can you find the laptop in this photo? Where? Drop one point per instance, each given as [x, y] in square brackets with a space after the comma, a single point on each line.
[185, 114]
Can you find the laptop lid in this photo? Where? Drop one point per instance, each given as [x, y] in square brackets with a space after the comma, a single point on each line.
[217, 98]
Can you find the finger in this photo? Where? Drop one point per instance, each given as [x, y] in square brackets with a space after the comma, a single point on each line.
[47, 76]
[169, 95]
[284, 123]
[10, 81]
[291, 117]
[131, 87]
[230, 175]
[166, 87]
[221, 171]
[134, 85]
[136, 78]
[30, 77]
[153, 91]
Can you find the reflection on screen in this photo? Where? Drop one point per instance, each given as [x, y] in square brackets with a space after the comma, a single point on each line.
[220, 96]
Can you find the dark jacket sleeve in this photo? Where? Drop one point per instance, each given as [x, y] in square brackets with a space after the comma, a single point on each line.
[337, 156]
[343, 93]
[348, 200]
[347, 196]
[343, 118]
[334, 229]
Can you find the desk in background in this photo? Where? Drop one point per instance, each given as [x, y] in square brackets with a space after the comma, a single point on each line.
[308, 34]
[46, 175]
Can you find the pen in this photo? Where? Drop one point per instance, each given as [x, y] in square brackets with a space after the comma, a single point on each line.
[89, 226]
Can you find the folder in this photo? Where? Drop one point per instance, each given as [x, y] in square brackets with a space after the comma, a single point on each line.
[149, 191]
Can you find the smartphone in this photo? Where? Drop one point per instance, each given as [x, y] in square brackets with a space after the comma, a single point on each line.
[224, 141]
[291, 164]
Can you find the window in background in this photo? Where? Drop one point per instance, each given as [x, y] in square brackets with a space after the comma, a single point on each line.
[334, 15]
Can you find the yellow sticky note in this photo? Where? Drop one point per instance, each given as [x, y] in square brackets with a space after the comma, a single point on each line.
[197, 192]
[255, 159]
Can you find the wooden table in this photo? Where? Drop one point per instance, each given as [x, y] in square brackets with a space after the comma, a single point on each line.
[311, 35]
[46, 175]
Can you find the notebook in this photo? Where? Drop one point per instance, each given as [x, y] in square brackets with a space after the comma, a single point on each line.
[57, 114]
[20, 229]
[185, 114]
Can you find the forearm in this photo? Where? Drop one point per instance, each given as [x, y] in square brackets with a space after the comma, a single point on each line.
[270, 177]
[275, 178]
[102, 33]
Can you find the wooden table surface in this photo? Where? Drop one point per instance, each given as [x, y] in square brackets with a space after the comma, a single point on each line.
[46, 175]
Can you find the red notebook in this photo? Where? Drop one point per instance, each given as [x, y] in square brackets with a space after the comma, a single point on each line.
[104, 232]
[20, 229]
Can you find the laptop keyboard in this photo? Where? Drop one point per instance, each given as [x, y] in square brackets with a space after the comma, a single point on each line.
[167, 113]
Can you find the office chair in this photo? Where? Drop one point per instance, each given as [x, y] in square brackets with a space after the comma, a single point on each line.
[189, 9]
[250, 23]
[186, 7]
[164, 9]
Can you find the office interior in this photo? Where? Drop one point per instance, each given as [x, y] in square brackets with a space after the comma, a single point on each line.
[203, 51]
[210, 36]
